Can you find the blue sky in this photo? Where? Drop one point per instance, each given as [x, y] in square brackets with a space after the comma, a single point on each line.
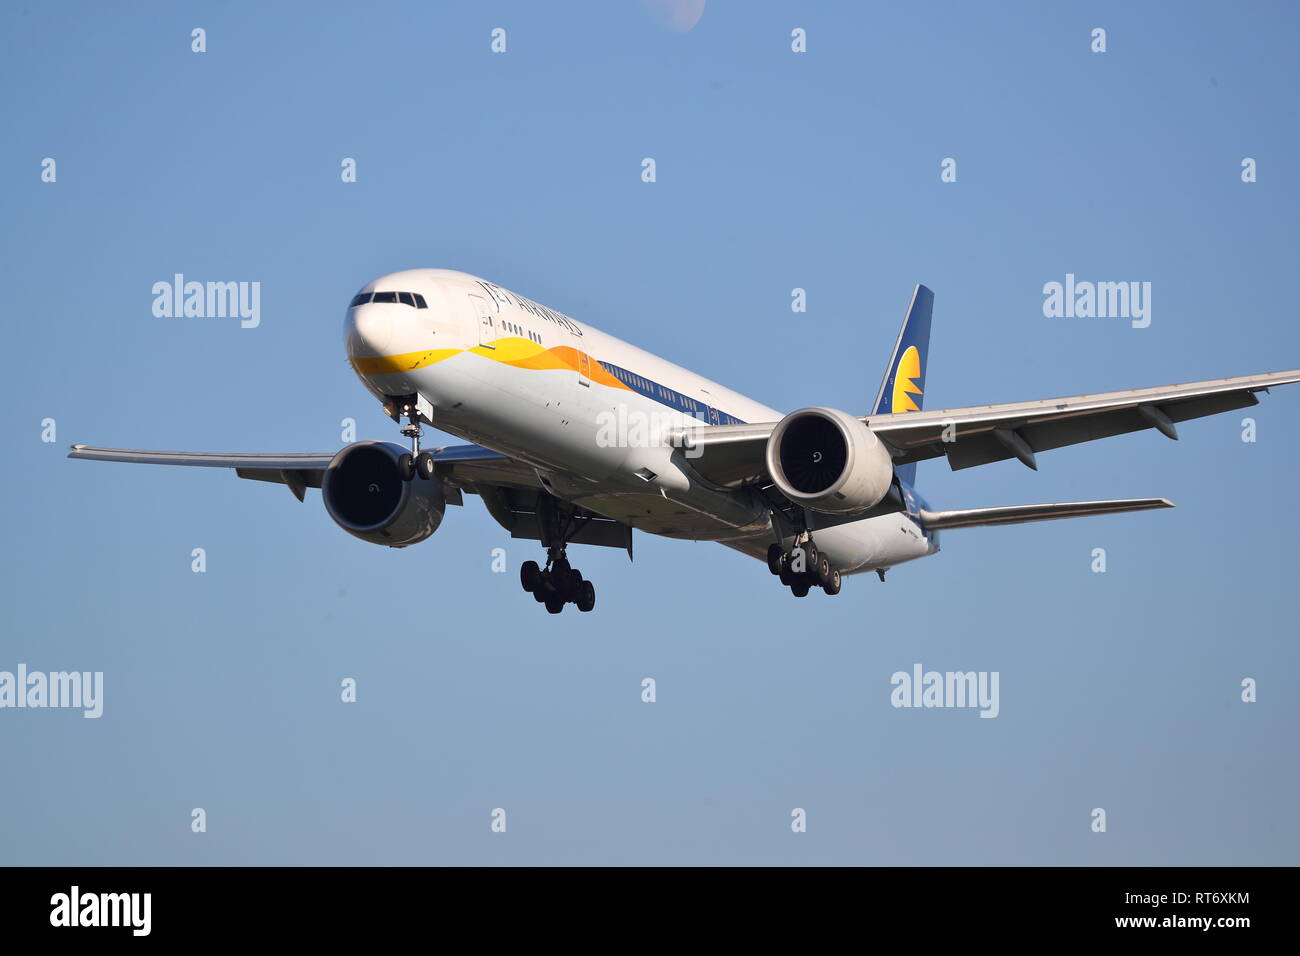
[775, 170]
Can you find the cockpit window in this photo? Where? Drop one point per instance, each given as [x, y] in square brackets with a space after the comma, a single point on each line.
[413, 299]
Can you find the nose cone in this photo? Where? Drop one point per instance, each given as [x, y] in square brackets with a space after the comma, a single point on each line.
[368, 330]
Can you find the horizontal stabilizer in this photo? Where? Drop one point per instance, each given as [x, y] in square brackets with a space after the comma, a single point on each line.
[1020, 514]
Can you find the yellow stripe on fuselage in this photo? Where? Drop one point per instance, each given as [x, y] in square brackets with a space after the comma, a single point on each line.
[512, 350]
[406, 362]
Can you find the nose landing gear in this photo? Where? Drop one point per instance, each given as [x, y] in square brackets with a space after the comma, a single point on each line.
[417, 462]
[803, 567]
[557, 584]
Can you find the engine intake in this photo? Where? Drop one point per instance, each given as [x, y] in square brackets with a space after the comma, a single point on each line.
[828, 461]
[367, 495]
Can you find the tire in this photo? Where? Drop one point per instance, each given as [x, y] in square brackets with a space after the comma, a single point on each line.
[774, 554]
[530, 575]
[554, 604]
[800, 589]
[541, 592]
[424, 465]
[788, 577]
[812, 557]
[405, 466]
[823, 570]
[572, 584]
[833, 585]
[586, 599]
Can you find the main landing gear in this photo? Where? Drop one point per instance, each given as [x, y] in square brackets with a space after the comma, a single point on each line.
[803, 567]
[557, 584]
[417, 462]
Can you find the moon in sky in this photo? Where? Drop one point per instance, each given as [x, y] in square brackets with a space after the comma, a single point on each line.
[679, 15]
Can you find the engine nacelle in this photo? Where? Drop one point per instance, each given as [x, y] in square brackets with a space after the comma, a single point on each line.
[367, 496]
[828, 461]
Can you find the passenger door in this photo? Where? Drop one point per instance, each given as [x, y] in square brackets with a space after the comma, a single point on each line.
[487, 331]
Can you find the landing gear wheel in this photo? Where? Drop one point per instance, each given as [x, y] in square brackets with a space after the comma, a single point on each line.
[823, 571]
[572, 585]
[530, 575]
[833, 585]
[812, 556]
[424, 465]
[775, 554]
[586, 598]
[800, 589]
[788, 577]
[405, 466]
[559, 583]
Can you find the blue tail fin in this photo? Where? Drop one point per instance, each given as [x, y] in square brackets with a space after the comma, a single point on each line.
[903, 388]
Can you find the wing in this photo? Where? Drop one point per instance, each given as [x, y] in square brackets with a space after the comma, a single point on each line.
[980, 434]
[510, 489]
[459, 465]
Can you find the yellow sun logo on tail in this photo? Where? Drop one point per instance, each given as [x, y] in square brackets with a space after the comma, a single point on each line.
[909, 368]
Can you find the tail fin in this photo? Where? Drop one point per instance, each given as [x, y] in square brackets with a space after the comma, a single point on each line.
[903, 387]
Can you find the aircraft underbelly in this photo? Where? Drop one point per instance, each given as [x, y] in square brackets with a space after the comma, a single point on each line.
[553, 422]
[655, 514]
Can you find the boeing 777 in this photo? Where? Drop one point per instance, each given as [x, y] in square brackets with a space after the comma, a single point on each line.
[579, 437]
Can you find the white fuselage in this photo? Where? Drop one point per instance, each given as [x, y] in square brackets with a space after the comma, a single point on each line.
[588, 411]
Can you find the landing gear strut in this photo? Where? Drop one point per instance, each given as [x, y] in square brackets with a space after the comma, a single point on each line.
[803, 567]
[417, 462]
[559, 583]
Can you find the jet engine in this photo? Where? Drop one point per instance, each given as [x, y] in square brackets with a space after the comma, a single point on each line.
[368, 495]
[828, 461]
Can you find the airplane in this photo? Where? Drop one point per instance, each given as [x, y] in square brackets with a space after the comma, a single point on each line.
[577, 437]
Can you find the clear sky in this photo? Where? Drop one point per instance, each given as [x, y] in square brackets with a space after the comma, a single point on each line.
[775, 170]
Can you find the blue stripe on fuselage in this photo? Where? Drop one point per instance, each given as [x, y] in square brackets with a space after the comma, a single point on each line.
[670, 397]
